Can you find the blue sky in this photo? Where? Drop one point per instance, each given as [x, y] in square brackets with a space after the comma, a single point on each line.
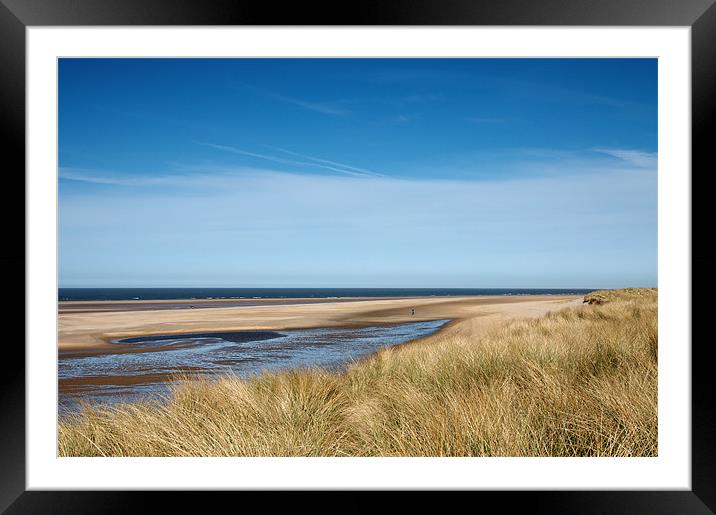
[358, 172]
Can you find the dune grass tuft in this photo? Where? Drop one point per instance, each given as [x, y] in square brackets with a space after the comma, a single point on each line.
[577, 382]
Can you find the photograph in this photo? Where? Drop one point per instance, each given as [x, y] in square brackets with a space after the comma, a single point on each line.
[357, 257]
[407, 247]
[309, 253]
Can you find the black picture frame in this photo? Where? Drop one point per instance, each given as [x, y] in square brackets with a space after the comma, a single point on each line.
[17, 15]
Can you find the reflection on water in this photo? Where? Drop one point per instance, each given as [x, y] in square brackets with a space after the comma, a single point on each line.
[243, 353]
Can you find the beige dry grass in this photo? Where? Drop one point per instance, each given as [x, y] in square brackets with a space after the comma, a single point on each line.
[578, 382]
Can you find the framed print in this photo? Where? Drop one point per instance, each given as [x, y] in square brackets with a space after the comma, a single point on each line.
[419, 247]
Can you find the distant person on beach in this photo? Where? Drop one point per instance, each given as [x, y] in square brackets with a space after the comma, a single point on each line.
[412, 311]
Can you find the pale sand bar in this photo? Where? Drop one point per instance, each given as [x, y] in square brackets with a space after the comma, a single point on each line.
[89, 330]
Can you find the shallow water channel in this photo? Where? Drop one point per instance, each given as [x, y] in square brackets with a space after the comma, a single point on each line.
[130, 376]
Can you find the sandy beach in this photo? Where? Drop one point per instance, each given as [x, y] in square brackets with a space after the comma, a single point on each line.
[89, 328]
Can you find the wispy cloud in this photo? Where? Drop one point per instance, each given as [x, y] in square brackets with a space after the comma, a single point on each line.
[239, 228]
[100, 177]
[635, 157]
[313, 106]
[191, 178]
[490, 167]
[235, 150]
[313, 162]
[342, 166]
[483, 168]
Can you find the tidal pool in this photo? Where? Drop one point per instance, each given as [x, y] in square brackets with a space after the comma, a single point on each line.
[130, 376]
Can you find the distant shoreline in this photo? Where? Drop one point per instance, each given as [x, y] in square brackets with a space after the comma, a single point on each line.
[66, 295]
[97, 306]
[91, 306]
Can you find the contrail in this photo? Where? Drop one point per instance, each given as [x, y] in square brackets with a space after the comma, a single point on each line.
[330, 165]
[334, 163]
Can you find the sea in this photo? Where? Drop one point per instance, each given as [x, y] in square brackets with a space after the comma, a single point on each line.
[97, 294]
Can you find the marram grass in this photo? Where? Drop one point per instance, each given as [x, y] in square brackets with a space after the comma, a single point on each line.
[578, 382]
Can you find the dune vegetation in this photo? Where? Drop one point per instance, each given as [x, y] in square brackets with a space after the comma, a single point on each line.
[576, 382]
